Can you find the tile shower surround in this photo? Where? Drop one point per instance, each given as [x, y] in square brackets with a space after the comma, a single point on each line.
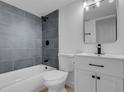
[20, 39]
[50, 37]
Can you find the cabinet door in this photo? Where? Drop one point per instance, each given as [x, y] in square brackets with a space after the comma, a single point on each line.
[107, 83]
[84, 81]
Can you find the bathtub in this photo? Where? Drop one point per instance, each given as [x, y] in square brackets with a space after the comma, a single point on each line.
[24, 80]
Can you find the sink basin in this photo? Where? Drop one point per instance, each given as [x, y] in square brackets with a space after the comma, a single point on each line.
[91, 54]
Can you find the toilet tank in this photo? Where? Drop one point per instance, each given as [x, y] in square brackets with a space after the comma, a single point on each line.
[66, 62]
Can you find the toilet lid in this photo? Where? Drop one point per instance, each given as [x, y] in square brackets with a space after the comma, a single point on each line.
[54, 75]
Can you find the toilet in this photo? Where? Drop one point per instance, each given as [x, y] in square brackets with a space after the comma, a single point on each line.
[55, 80]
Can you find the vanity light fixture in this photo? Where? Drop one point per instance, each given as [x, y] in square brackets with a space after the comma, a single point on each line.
[94, 3]
[86, 6]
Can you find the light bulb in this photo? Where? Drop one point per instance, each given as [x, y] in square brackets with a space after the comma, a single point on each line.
[111, 1]
[97, 4]
[87, 8]
[85, 5]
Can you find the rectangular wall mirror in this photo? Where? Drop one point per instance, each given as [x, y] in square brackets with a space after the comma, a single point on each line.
[100, 21]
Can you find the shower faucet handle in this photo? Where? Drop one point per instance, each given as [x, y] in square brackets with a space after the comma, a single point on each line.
[46, 67]
[46, 60]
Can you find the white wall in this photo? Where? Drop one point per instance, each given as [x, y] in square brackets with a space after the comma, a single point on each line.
[71, 31]
[71, 28]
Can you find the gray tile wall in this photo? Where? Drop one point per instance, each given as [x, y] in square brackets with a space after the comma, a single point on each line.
[50, 32]
[20, 39]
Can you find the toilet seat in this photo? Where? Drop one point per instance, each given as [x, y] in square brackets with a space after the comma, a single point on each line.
[54, 75]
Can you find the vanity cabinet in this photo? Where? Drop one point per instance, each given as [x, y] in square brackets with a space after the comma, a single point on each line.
[85, 81]
[97, 74]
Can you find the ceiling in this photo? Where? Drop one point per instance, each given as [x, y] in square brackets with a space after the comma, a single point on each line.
[39, 7]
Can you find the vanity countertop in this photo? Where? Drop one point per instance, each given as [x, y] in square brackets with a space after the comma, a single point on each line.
[112, 56]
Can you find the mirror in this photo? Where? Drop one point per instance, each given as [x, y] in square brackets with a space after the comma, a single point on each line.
[100, 21]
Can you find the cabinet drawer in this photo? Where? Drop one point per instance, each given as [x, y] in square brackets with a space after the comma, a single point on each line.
[100, 65]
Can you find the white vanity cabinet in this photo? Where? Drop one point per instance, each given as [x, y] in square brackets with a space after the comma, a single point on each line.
[98, 74]
[84, 81]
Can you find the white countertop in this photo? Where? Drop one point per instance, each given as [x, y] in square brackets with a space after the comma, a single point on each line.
[112, 56]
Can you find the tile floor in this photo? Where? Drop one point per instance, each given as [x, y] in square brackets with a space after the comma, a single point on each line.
[67, 89]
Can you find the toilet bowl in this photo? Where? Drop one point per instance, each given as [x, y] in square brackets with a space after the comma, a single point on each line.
[55, 80]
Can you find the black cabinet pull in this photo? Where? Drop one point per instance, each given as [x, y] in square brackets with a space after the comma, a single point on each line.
[87, 33]
[98, 78]
[96, 65]
[93, 76]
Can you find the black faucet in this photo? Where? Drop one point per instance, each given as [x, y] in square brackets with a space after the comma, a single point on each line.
[99, 49]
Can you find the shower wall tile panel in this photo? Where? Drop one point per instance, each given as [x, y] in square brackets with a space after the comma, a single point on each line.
[20, 38]
[50, 33]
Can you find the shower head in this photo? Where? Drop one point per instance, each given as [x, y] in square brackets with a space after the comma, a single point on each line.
[44, 18]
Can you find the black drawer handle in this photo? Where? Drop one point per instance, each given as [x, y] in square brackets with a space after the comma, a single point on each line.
[96, 65]
[87, 33]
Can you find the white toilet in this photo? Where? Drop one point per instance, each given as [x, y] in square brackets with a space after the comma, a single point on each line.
[55, 80]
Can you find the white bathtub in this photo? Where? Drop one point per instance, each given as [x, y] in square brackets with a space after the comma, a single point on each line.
[24, 80]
